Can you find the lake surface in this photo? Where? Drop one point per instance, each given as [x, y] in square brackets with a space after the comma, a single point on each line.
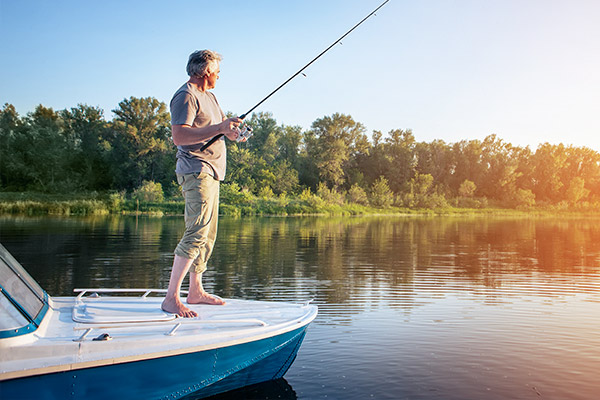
[409, 308]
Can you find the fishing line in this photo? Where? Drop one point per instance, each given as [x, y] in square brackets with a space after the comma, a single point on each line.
[217, 137]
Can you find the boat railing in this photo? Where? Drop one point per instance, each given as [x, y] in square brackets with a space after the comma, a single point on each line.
[146, 292]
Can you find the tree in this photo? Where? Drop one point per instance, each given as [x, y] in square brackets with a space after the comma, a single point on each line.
[421, 184]
[435, 159]
[331, 143]
[149, 192]
[381, 195]
[548, 161]
[10, 127]
[148, 115]
[266, 134]
[269, 160]
[286, 178]
[399, 150]
[523, 198]
[240, 163]
[86, 130]
[467, 188]
[581, 162]
[289, 145]
[468, 164]
[577, 190]
[44, 153]
[140, 137]
[358, 195]
[421, 192]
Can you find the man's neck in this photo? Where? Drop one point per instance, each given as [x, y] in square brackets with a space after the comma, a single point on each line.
[200, 83]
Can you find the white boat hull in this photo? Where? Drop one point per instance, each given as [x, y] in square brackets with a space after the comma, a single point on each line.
[199, 374]
[150, 354]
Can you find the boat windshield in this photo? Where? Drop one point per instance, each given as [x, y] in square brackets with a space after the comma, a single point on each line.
[21, 298]
[10, 317]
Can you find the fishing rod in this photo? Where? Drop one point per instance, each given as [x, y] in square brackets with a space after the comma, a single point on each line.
[217, 137]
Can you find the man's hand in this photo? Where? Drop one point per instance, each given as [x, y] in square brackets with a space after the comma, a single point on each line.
[229, 128]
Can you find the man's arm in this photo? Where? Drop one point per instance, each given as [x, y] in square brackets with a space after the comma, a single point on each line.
[184, 135]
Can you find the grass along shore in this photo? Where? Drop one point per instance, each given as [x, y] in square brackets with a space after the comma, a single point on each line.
[240, 204]
[30, 203]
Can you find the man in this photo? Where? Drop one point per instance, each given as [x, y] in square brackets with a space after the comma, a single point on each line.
[196, 117]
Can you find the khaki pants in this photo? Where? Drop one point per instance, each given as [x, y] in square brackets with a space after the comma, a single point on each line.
[201, 193]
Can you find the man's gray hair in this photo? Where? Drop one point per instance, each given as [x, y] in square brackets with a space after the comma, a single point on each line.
[203, 62]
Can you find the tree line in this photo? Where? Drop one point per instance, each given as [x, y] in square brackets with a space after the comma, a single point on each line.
[78, 150]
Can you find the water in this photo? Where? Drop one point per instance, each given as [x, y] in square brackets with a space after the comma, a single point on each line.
[410, 308]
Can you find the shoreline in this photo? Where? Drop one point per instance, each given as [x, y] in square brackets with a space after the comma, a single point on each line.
[36, 204]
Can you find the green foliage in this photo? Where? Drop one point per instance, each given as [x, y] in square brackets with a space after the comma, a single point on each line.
[548, 161]
[399, 150]
[421, 184]
[524, 198]
[149, 192]
[471, 202]
[358, 195]
[433, 201]
[381, 195]
[467, 188]
[286, 178]
[311, 200]
[331, 168]
[330, 196]
[115, 201]
[265, 193]
[577, 190]
[140, 141]
[40, 204]
[231, 193]
[173, 191]
[331, 145]
[86, 130]
[420, 193]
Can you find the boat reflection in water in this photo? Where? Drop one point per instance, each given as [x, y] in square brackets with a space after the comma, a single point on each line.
[274, 389]
[102, 344]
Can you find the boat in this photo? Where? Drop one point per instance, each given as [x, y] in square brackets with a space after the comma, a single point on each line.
[118, 343]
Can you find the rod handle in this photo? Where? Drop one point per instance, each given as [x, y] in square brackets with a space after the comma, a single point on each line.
[211, 141]
[217, 137]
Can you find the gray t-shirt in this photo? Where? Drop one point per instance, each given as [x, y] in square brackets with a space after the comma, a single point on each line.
[197, 109]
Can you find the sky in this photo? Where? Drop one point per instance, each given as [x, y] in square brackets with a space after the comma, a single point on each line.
[527, 71]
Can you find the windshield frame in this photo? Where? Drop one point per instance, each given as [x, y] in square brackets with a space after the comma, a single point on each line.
[22, 295]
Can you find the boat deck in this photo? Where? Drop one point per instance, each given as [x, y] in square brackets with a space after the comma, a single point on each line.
[99, 329]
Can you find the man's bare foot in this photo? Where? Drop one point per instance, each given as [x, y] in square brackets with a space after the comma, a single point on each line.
[175, 306]
[205, 298]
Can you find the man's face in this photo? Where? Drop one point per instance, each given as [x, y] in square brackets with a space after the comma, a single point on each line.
[212, 78]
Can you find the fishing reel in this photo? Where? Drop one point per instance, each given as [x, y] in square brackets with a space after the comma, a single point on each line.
[244, 133]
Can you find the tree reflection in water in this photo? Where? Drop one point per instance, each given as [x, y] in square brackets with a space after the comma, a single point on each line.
[434, 307]
[354, 263]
